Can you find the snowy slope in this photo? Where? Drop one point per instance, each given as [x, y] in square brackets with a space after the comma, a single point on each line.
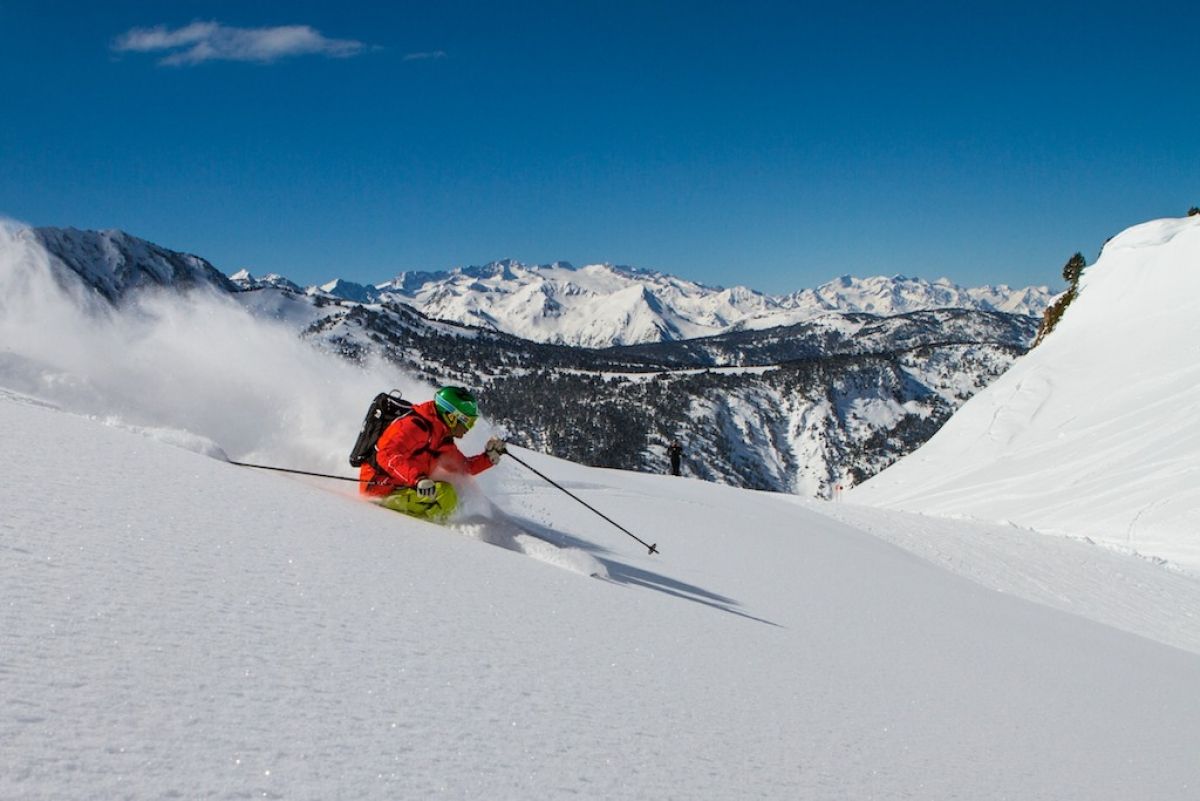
[178, 627]
[175, 626]
[1094, 433]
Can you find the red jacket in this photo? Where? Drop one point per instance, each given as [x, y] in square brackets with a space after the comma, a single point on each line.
[416, 446]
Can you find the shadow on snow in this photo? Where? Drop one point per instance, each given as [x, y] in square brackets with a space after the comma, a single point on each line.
[622, 573]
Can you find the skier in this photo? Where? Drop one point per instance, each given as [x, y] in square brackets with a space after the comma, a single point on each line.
[675, 451]
[417, 456]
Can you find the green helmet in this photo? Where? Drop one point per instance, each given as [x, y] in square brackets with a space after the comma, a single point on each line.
[456, 405]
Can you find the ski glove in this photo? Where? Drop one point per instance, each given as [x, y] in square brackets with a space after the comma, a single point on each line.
[426, 488]
[495, 449]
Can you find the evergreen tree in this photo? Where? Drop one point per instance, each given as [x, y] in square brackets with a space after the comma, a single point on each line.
[1194, 211]
[1071, 273]
[1073, 269]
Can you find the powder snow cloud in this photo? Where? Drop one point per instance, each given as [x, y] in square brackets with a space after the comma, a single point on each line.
[211, 41]
[179, 362]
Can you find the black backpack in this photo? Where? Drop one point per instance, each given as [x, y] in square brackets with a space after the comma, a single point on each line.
[384, 409]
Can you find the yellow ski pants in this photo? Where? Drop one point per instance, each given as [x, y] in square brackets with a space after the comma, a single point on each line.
[436, 509]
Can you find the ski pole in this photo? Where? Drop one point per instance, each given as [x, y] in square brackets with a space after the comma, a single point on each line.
[289, 470]
[556, 485]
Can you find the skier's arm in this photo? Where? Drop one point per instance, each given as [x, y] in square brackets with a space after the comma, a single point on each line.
[477, 464]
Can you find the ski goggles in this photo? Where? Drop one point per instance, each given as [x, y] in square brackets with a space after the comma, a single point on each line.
[455, 417]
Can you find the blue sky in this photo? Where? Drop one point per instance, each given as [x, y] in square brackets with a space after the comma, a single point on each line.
[775, 145]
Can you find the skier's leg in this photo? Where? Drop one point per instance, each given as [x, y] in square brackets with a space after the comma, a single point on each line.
[400, 501]
[406, 501]
[445, 501]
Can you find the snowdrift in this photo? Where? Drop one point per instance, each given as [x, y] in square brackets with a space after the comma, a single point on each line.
[1094, 433]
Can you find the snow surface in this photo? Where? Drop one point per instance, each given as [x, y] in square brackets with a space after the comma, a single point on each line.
[1095, 432]
[173, 626]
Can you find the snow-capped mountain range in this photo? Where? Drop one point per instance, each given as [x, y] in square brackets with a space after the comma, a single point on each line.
[596, 306]
[825, 401]
[601, 305]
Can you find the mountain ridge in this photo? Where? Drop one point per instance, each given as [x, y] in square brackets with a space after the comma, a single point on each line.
[113, 262]
[622, 305]
[822, 402]
[594, 305]
[669, 308]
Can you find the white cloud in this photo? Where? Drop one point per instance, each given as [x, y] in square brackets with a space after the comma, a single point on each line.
[435, 54]
[212, 41]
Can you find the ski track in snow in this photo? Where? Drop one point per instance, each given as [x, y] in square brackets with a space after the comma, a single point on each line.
[479, 519]
[501, 530]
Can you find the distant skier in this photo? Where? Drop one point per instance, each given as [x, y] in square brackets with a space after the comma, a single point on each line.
[416, 455]
[675, 452]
